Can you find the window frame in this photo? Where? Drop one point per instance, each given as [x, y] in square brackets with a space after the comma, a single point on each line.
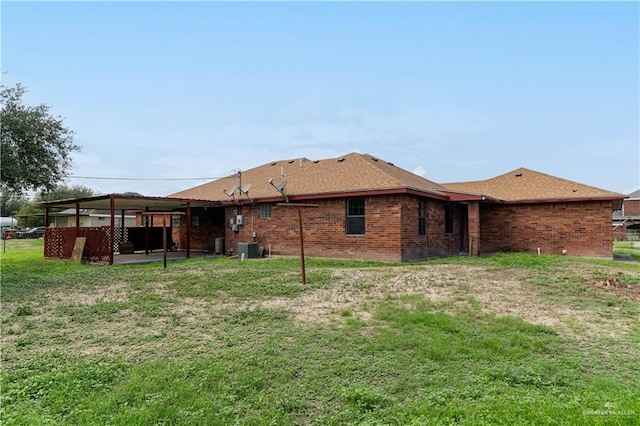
[448, 218]
[265, 211]
[422, 217]
[355, 222]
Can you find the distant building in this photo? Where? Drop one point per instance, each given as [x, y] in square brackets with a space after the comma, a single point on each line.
[626, 220]
[89, 218]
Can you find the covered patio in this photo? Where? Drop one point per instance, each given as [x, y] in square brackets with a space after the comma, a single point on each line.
[101, 243]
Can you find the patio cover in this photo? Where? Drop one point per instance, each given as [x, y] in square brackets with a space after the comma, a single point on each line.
[134, 202]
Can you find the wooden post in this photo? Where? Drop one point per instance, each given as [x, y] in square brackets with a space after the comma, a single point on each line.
[164, 239]
[146, 232]
[112, 204]
[188, 230]
[304, 274]
[300, 231]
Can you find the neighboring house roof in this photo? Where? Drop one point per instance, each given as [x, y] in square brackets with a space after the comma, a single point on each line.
[635, 195]
[351, 174]
[524, 185]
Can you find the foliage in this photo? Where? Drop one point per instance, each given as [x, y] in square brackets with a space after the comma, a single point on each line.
[35, 148]
[60, 192]
[210, 341]
[11, 203]
[627, 247]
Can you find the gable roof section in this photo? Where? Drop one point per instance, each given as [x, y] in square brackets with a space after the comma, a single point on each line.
[351, 174]
[528, 186]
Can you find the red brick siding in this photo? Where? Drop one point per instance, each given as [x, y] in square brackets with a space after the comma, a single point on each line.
[475, 228]
[391, 230]
[435, 242]
[581, 228]
[631, 207]
[324, 230]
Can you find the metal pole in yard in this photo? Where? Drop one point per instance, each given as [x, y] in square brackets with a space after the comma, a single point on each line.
[304, 274]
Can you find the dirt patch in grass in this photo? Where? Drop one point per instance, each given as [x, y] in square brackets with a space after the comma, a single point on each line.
[617, 286]
[351, 293]
[500, 291]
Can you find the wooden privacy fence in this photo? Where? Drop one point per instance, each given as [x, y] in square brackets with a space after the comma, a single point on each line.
[58, 242]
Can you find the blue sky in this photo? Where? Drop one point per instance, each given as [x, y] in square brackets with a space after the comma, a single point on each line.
[451, 91]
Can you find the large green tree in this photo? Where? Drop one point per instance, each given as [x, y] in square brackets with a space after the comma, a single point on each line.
[11, 203]
[36, 147]
[32, 213]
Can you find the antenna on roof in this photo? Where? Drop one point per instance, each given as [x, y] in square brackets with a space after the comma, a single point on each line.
[280, 188]
[245, 190]
[231, 193]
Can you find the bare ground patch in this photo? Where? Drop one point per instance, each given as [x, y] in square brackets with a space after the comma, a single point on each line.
[191, 322]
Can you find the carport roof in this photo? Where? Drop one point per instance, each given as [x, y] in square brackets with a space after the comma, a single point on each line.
[131, 202]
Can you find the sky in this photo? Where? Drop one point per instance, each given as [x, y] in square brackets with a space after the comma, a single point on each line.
[169, 95]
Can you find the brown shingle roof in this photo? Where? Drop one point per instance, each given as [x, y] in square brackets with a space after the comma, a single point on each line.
[351, 173]
[528, 185]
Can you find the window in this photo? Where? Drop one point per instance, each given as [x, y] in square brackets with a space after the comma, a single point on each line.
[265, 210]
[116, 222]
[448, 219]
[355, 216]
[422, 217]
[175, 220]
[195, 220]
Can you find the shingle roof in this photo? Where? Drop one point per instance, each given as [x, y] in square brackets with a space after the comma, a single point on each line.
[351, 173]
[528, 185]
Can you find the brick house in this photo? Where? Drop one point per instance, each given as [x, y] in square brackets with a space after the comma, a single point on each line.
[362, 207]
[626, 220]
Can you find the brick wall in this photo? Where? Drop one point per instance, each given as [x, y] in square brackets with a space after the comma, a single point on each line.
[391, 230]
[580, 228]
[436, 241]
[631, 207]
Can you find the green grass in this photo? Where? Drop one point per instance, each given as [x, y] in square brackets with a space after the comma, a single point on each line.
[226, 342]
[626, 247]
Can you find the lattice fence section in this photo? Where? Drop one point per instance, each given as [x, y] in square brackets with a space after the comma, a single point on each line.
[59, 242]
[119, 235]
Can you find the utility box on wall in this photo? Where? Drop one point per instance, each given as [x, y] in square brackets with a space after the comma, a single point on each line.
[250, 250]
[219, 245]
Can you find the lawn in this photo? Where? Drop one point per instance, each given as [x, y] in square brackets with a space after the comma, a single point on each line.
[505, 339]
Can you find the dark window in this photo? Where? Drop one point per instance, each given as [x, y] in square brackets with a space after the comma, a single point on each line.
[175, 220]
[355, 216]
[448, 219]
[422, 217]
[265, 210]
[195, 220]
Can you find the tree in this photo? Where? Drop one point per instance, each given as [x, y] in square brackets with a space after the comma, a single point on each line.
[10, 203]
[36, 210]
[35, 147]
[63, 192]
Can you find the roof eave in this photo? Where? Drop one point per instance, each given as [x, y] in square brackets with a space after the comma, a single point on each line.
[563, 200]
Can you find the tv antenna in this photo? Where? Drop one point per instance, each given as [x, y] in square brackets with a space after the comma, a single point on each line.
[280, 188]
[231, 193]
